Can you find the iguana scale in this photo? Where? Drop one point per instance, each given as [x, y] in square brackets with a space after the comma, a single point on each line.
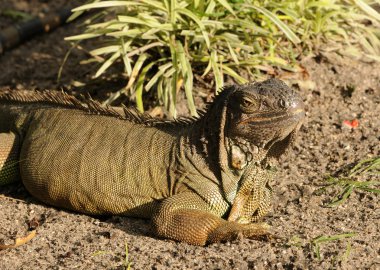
[200, 180]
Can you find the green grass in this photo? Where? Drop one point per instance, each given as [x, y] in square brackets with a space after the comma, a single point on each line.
[349, 181]
[316, 243]
[126, 263]
[162, 44]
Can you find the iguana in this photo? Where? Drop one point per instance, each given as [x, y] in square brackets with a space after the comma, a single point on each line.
[200, 180]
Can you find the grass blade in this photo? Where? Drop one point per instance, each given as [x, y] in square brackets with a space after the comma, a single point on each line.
[233, 54]
[229, 71]
[105, 50]
[324, 238]
[159, 73]
[136, 69]
[367, 9]
[284, 28]
[216, 70]
[83, 36]
[140, 86]
[225, 4]
[106, 4]
[192, 16]
[107, 64]
[187, 75]
[342, 197]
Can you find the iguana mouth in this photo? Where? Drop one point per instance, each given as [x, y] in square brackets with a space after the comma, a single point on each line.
[269, 118]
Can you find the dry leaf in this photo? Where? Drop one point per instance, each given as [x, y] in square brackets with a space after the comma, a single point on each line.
[20, 241]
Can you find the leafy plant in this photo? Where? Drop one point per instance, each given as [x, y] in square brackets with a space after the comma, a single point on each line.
[163, 43]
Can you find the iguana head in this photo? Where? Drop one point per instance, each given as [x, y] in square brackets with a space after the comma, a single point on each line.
[249, 123]
[245, 124]
[262, 116]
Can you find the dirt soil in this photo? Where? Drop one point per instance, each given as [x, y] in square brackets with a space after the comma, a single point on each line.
[337, 89]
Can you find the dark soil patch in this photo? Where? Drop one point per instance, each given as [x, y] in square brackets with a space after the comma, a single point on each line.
[338, 89]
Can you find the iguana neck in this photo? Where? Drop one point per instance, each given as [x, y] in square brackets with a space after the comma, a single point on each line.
[242, 152]
[213, 144]
[226, 158]
[203, 142]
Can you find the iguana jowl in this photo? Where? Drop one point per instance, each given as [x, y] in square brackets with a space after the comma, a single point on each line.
[200, 180]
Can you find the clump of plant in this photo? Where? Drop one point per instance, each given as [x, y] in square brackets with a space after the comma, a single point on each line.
[163, 43]
[315, 243]
[348, 180]
[318, 241]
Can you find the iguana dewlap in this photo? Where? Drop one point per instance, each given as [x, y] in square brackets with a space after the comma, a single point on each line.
[200, 180]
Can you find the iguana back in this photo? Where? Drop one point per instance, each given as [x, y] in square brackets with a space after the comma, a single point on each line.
[97, 164]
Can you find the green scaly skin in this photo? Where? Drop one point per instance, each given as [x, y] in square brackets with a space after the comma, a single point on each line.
[200, 180]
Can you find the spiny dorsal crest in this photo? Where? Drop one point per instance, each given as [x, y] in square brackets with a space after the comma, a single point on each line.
[64, 100]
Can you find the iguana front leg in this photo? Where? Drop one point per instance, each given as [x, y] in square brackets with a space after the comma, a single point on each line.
[9, 155]
[258, 205]
[187, 217]
[253, 199]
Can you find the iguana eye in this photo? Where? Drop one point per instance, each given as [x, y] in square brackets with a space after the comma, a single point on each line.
[247, 102]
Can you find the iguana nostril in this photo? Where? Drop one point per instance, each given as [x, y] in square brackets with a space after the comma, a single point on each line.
[296, 103]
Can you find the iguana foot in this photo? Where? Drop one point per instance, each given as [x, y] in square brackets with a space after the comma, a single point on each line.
[231, 230]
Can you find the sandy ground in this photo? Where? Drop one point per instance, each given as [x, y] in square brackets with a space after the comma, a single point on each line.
[67, 240]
